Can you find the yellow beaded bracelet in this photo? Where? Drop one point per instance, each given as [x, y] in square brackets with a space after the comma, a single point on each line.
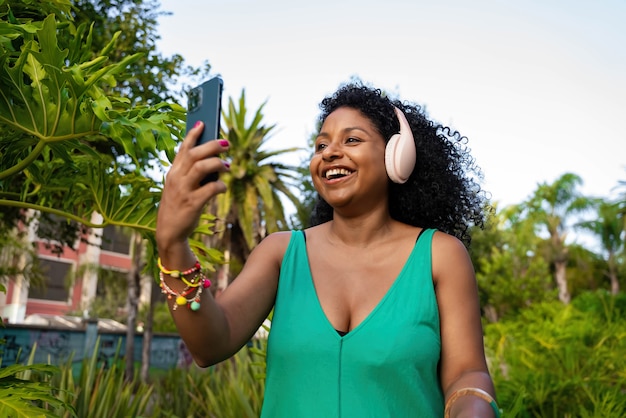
[474, 392]
[177, 273]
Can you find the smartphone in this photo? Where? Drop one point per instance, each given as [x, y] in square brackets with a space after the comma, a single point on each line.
[204, 103]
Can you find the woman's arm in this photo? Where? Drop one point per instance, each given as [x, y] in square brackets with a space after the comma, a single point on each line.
[226, 323]
[463, 363]
[220, 327]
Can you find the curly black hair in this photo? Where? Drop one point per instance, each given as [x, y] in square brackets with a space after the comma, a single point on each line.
[443, 191]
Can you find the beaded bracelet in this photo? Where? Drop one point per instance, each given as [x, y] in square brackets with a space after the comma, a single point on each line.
[176, 273]
[197, 280]
[181, 298]
[475, 392]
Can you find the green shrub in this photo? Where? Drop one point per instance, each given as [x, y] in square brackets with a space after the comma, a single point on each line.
[233, 388]
[100, 390]
[557, 360]
[26, 390]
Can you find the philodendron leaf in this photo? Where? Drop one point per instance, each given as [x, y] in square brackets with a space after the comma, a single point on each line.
[19, 396]
[62, 129]
[39, 96]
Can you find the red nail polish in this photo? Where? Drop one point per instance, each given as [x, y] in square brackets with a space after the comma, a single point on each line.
[223, 142]
[198, 123]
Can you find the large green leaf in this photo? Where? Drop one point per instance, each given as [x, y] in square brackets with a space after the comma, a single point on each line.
[57, 114]
[51, 102]
[20, 397]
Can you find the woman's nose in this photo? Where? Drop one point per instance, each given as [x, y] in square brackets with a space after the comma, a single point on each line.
[331, 152]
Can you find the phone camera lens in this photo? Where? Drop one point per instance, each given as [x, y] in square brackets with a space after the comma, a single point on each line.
[194, 99]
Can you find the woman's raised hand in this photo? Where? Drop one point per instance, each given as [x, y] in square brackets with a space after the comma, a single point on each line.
[183, 195]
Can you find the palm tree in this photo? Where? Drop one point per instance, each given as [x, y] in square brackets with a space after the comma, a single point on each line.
[609, 227]
[551, 206]
[621, 204]
[252, 207]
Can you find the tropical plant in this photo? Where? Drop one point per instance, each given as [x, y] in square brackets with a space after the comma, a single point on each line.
[70, 145]
[99, 389]
[252, 207]
[586, 270]
[510, 272]
[308, 195]
[562, 361]
[230, 389]
[155, 77]
[621, 202]
[26, 391]
[551, 208]
[52, 109]
[610, 228]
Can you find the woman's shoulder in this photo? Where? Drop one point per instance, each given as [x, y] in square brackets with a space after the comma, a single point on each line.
[444, 242]
[450, 257]
[270, 251]
[277, 240]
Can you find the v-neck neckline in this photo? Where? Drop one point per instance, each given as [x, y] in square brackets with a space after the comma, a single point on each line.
[376, 308]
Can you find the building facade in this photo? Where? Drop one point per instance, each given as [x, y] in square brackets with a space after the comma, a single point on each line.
[71, 277]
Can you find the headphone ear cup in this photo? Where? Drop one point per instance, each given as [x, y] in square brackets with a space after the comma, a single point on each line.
[390, 164]
[400, 153]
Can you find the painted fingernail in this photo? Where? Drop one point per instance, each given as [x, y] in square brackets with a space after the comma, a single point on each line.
[198, 123]
[223, 142]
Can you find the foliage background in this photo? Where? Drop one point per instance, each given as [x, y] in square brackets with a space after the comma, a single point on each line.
[87, 115]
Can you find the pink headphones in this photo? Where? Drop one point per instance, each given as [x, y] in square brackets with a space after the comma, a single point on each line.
[400, 152]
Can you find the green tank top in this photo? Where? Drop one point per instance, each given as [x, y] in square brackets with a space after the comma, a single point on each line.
[385, 367]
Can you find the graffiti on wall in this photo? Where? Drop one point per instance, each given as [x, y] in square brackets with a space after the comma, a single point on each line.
[59, 346]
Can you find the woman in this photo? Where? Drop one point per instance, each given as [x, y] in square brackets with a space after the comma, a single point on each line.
[376, 310]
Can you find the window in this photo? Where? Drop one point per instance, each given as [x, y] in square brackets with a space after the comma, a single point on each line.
[54, 288]
[112, 282]
[111, 295]
[57, 232]
[115, 239]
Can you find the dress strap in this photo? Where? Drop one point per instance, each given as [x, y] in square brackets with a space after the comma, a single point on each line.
[420, 234]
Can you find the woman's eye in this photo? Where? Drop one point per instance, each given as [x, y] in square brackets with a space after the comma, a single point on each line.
[352, 139]
[320, 147]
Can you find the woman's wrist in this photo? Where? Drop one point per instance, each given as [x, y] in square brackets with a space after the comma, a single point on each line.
[471, 402]
[176, 256]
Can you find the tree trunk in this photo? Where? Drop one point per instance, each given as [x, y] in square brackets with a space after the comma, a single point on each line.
[223, 271]
[614, 283]
[560, 276]
[134, 285]
[148, 332]
[613, 274]
[491, 313]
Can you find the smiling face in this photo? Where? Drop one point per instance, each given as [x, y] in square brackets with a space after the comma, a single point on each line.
[349, 161]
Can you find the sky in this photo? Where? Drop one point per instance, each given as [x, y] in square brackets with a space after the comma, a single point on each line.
[538, 87]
